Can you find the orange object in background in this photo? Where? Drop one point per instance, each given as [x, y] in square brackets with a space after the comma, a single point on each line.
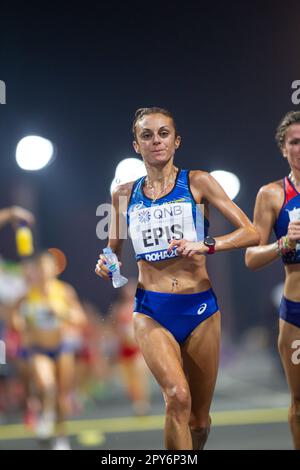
[60, 259]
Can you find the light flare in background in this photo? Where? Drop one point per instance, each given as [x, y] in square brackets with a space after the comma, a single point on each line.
[34, 153]
[229, 182]
[129, 169]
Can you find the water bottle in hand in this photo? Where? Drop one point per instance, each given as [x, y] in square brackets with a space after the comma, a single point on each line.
[113, 265]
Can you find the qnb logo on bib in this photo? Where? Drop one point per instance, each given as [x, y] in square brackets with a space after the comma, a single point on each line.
[144, 216]
[201, 309]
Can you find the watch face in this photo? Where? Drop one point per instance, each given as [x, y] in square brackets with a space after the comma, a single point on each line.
[209, 241]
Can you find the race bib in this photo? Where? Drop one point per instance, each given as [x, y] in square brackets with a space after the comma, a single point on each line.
[294, 215]
[152, 228]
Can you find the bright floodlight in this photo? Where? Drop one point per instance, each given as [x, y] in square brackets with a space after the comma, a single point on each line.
[34, 152]
[229, 182]
[129, 169]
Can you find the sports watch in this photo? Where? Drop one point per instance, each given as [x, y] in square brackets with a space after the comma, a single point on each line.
[210, 242]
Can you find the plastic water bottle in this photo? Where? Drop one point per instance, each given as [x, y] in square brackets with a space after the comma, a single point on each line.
[113, 265]
[24, 240]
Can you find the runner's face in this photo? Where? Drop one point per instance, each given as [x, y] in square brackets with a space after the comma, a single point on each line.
[155, 139]
[291, 148]
[48, 266]
[32, 272]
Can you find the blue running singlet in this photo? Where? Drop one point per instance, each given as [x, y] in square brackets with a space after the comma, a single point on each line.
[290, 211]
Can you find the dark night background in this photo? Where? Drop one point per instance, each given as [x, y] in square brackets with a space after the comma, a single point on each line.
[76, 74]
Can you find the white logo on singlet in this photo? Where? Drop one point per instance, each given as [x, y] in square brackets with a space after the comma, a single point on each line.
[137, 207]
[201, 309]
